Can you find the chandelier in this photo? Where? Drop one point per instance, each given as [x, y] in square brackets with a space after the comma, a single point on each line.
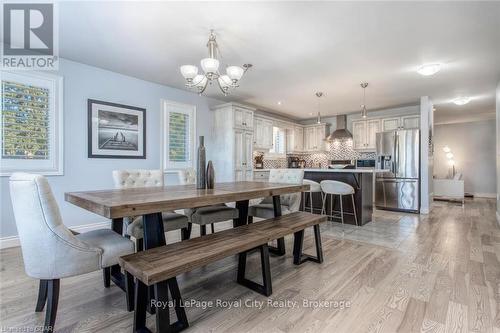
[210, 67]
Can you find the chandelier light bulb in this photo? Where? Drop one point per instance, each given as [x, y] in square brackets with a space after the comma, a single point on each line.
[446, 149]
[449, 155]
[210, 65]
[235, 73]
[200, 80]
[429, 69]
[189, 72]
[224, 82]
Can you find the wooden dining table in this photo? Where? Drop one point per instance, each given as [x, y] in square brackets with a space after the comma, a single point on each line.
[149, 202]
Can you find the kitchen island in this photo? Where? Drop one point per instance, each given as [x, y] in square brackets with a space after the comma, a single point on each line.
[362, 182]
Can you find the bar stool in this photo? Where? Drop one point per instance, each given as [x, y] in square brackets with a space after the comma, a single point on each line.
[314, 187]
[333, 187]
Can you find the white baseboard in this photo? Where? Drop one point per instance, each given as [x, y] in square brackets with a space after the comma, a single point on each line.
[484, 195]
[13, 241]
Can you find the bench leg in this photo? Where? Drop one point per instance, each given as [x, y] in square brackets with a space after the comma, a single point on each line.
[280, 248]
[163, 307]
[298, 256]
[129, 290]
[141, 300]
[242, 219]
[265, 289]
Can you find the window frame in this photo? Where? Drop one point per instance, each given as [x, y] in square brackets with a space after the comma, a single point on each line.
[166, 108]
[271, 153]
[55, 165]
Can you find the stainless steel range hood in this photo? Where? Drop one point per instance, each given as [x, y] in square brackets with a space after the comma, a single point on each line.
[341, 132]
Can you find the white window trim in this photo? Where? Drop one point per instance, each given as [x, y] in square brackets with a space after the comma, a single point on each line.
[57, 168]
[167, 166]
[274, 155]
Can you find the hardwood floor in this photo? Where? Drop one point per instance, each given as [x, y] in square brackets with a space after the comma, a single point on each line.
[399, 273]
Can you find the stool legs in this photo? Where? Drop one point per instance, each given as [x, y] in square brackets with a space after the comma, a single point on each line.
[341, 211]
[354, 209]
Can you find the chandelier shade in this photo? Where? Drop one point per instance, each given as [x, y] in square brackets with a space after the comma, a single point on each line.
[189, 71]
[210, 67]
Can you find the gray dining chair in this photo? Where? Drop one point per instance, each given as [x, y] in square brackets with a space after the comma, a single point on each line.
[289, 202]
[208, 215]
[133, 225]
[50, 250]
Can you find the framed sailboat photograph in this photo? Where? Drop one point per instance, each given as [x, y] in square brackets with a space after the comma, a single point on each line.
[116, 130]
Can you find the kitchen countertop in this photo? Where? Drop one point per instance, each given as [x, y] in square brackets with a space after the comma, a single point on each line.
[337, 170]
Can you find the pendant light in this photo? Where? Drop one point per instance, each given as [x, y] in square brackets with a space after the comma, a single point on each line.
[319, 94]
[364, 112]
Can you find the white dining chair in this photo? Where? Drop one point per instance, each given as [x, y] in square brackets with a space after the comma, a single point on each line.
[147, 178]
[50, 250]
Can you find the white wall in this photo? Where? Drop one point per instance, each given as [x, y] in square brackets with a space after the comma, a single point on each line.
[81, 173]
[426, 154]
[473, 147]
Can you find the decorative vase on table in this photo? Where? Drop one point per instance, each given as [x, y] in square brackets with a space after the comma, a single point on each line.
[210, 175]
[201, 180]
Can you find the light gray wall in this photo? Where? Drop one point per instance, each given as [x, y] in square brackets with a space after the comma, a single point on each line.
[385, 113]
[81, 173]
[473, 146]
[498, 150]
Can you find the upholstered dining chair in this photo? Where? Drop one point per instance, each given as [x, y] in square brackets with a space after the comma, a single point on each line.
[133, 224]
[205, 215]
[50, 250]
[289, 202]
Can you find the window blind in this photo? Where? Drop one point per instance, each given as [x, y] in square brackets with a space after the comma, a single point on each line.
[179, 137]
[25, 121]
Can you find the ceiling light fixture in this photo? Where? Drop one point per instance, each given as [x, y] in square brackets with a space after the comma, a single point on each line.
[210, 67]
[364, 112]
[461, 100]
[429, 69]
[279, 102]
[319, 94]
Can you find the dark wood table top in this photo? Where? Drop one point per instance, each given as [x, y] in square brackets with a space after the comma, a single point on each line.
[118, 203]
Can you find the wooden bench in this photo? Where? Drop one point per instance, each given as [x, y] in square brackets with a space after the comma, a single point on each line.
[159, 266]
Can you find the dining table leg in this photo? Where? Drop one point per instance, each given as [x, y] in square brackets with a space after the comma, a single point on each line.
[280, 248]
[116, 274]
[242, 219]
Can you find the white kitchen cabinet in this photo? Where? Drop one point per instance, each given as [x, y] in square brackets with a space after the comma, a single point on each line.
[390, 124]
[359, 134]
[232, 147]
[243, 118]
[314, 137]
[263, 133]
[410, 122]
[364, 134]
[295, 139]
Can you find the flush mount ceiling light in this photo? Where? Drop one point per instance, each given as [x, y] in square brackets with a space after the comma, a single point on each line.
[461, 100]
[210, 67]
[319, 94]
[429, 69]
[364, 112]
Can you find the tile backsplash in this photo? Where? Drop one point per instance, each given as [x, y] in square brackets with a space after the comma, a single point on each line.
[338, 150]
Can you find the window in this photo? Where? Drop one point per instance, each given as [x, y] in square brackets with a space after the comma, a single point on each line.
[31, 132]
[178, 135]
[279, 141]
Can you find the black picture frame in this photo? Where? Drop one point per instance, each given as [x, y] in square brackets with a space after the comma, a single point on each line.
[128, 151]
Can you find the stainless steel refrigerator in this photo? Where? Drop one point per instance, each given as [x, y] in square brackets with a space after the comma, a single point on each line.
[398, 152]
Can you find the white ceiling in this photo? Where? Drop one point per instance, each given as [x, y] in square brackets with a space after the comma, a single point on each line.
[298, 48]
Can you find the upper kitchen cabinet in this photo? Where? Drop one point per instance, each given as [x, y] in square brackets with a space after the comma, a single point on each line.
[410, 122]
[314, 137]
[233, 138]
[263, 133]
[295, 139]
[405, 122]
[243, 117]
[364, 134]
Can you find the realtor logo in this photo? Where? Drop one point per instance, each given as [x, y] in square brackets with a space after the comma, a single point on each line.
[29, 36]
